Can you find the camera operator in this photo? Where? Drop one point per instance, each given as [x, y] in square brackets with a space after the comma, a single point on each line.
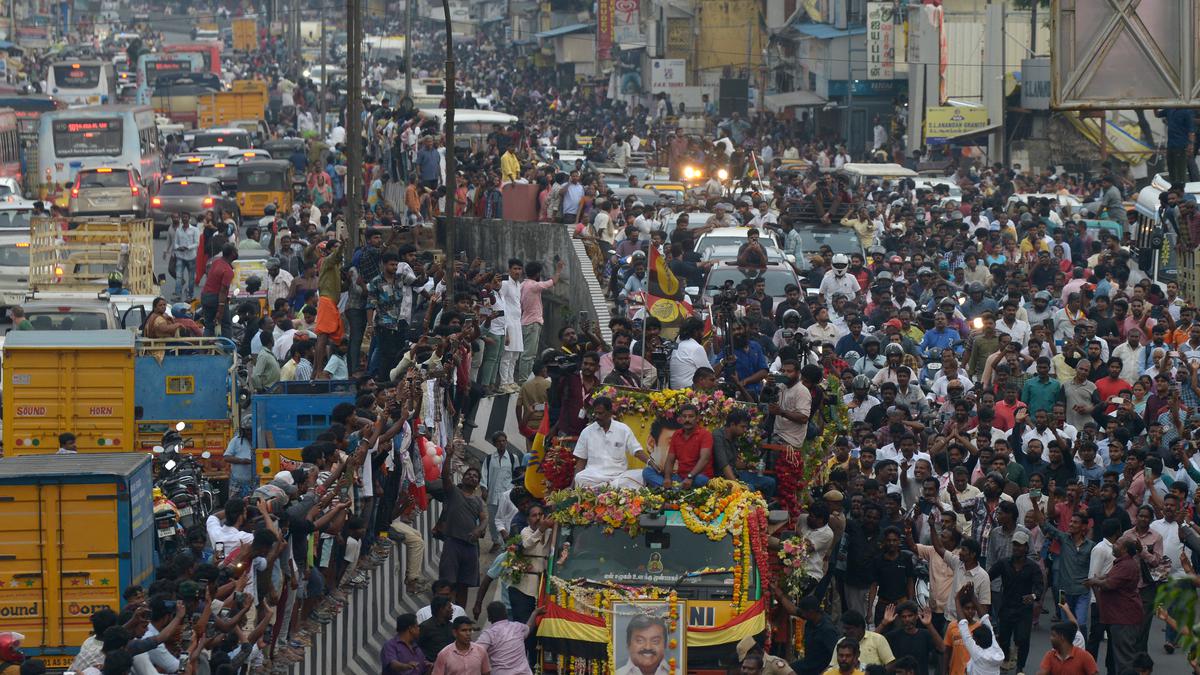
[794, 406]
[689, 354]
[573, 379]
[742, 360]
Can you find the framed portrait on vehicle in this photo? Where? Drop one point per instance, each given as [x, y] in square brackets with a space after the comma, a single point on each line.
[644, 642]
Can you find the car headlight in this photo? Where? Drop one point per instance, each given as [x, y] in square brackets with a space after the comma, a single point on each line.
[722, 174]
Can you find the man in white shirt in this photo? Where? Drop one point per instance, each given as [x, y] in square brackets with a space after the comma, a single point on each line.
[600, 453]
[186, 242]
[689, 354]
[1010, 325]
[443, 588]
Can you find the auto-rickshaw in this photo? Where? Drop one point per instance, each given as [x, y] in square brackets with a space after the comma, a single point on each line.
[264, 182]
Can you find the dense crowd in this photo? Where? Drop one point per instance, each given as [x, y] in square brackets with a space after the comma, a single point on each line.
[1022, 398]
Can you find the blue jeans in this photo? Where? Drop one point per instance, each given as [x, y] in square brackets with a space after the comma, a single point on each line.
[1079, 607]
[655, 479]
[764, 484]
[185, 278]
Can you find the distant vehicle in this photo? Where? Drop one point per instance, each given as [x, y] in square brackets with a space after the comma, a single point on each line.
[729, 253]
[728, 275]
[14, 267]
[931, 184]
[838, 239]
[99, 136]
[84, 82]
[209, 51]
[185, 165]
[224, 170]
[66, 313]
[227, 137]
[861, 173]
[193, 195]
[646, 197]
[29, 108]
[108, 191]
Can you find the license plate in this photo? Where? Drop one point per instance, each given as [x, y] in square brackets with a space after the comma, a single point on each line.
[185, 511]
[166, 533]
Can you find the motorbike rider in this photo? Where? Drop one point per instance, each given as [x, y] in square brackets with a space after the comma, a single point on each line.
[872, 361]
[837, 281]
[893, 353]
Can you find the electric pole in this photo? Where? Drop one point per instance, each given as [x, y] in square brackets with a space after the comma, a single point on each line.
[451, 169]
[409, 9]
[324, 76]
[354, 144]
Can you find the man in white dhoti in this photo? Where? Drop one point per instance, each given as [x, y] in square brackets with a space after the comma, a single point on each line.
[600, 452]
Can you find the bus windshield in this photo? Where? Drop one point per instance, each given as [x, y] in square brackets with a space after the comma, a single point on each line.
[87, 137]
[74, 76]
[263, 180]
[620, 558]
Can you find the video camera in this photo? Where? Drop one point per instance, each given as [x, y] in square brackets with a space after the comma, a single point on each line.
[563, 364]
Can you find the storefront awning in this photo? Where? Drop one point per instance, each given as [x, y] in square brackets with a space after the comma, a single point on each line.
[824, 31]
[793, 99]
[564, 30]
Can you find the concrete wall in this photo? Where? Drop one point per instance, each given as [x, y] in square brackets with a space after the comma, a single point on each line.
[498, 240]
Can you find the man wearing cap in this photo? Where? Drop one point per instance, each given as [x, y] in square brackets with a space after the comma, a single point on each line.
[1021, 586]
[239, 454]
[1039, 311]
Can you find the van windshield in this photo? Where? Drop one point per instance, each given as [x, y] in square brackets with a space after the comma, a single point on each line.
[620, 558]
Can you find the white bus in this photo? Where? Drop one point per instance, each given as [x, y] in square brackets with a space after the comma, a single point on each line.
[79, 83]
[99, 136]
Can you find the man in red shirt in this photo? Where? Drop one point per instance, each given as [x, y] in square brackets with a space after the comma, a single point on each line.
[689, 457]
[1064, 658]
[1110, 385]
[214, 296]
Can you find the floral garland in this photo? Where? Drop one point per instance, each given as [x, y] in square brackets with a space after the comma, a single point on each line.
[514, 564]
[795, 468]
[713, 407]
[720, 509]
[794, 555]
[612, 508]
[558, 465]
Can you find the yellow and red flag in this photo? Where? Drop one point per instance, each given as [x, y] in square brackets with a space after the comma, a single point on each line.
[665, 299]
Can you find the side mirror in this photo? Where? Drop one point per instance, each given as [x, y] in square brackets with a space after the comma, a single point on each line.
[205, 455]
[158, 449]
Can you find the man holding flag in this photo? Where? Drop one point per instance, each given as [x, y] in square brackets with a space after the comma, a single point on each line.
[664, 294]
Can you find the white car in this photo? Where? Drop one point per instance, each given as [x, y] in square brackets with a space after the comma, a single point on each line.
[729, 253]
[14, 267]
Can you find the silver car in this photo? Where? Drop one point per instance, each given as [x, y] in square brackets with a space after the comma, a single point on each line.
[108, 191]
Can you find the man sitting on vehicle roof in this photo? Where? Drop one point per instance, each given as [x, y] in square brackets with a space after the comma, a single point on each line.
[600, 452]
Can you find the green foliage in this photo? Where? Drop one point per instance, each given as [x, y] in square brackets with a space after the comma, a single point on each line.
[1178, 596]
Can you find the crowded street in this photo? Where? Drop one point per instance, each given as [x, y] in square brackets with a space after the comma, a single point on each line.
[624, 338]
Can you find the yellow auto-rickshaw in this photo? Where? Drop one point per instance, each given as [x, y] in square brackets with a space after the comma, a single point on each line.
[264, 182]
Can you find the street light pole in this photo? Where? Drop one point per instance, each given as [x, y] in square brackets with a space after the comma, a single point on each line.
[354, 135]
[451, 169]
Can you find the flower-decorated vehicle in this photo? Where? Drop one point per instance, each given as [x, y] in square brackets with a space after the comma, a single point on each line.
[654, 580]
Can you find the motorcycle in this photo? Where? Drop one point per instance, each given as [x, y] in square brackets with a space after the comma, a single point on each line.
[182, 481]
[170, 537]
